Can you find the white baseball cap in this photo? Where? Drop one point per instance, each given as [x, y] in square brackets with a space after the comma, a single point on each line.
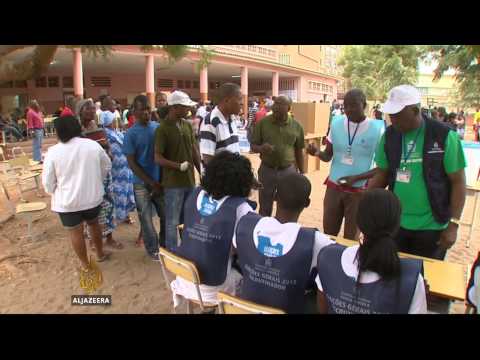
[399, 97]
[180, 98]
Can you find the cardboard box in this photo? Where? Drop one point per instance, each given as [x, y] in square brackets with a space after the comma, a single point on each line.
[314, 117]
[312, 163]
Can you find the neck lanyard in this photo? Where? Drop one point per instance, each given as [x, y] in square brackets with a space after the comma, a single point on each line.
[406, 155]
[350, 140]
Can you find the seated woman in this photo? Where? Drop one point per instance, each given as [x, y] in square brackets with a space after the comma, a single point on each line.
[211, 214]
[473, 287]
[370, 278]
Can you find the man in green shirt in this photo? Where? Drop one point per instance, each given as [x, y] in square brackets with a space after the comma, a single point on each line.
[280, 140]
[423, 161]
[176, 151]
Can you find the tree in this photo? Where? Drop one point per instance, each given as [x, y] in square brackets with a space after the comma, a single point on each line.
[465, 60]
[37, 61]
[377, 68]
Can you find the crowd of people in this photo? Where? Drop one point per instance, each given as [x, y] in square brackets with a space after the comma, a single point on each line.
[146, 158]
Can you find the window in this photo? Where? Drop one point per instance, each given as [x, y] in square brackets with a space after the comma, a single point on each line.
[41, 82]
[21, 84]
[196, 84]
[67, 81]
[101, 81]
[188, 84]
[53, 81]
[284, 59]
[165, 83]
[180, 84]
[6, 85]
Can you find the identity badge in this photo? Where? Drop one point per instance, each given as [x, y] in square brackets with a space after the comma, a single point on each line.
[404, 176]
[347, 159]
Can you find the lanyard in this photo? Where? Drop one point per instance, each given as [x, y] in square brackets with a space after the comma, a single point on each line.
[350, 140]
[406, 155]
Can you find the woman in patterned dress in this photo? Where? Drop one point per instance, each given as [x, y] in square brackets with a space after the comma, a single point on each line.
[122, 176]
[86, 112]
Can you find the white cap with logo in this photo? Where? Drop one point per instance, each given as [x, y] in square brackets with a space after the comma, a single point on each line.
[180, 98]
[399, 97]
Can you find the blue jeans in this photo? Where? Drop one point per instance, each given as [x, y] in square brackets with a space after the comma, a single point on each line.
[37, 144]
[145, 205]
[174, 201]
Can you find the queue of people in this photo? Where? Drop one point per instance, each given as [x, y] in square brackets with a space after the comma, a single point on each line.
[270, 259]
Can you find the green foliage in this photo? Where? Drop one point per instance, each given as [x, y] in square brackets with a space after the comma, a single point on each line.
[206, 55]
[465, 60]
[376, 69]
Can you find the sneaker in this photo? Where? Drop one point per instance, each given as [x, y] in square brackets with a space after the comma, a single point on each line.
[155, 257]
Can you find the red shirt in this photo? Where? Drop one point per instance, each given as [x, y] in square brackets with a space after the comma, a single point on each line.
[131, 121]
[260, 115]
[34, 120]
[67, 112]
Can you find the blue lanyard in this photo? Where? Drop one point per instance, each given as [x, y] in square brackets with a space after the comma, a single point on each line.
[406, 155]
[350, 140]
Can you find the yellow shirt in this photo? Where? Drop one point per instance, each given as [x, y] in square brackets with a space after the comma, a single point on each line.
[477, 117]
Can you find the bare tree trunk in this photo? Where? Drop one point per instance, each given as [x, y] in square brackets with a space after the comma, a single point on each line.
[32, 66]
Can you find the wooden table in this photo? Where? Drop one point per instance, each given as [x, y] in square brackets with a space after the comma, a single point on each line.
[446, 279]
[473, 222]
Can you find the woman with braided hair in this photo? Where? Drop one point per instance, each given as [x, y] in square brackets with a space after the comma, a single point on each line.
[370, 278]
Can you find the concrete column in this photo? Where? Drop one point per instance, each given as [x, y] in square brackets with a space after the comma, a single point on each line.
[204, 84]
[77, 73]
[275, 82]
[244, 89]
[301, 90]
[150, 79]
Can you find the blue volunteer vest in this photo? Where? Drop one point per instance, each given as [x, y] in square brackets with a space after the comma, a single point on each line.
[207, 239]
[363, 149]
[379, 297]
[279, 281]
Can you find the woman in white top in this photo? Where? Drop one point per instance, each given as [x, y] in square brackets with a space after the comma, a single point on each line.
[371, 278]
[73, 173]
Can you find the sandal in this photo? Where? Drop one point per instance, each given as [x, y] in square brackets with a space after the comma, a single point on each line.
[105, 257]
[129, 221]
[115, 244]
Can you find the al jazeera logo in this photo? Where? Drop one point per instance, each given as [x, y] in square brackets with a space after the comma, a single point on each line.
[90, 280]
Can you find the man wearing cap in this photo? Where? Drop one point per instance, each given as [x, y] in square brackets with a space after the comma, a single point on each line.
[422, 162]
[177, 153]
[350, 146]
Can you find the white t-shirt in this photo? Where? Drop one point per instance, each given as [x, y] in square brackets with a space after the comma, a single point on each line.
[202, 111]
[286, 236]
[73, 173]
[474, 291]
[219, 135]
[187, 289]
[350, 268]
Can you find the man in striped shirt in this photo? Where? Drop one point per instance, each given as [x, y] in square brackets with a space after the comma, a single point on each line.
[218, 131]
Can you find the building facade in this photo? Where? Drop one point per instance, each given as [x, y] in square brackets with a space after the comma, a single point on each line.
[303, 72]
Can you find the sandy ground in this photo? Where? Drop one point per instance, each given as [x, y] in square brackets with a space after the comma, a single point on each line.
[41, 276]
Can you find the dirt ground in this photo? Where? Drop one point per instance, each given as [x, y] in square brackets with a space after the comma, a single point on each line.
[40, 276]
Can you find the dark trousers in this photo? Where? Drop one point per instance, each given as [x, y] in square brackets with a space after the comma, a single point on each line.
[338, 205]
[424, 243]
[420, 243]
[270, 178]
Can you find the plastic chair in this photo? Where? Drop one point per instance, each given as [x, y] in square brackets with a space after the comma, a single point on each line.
[17, 173]
[19, 149]
[26, 210]
[187, 270]
[228, 304]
